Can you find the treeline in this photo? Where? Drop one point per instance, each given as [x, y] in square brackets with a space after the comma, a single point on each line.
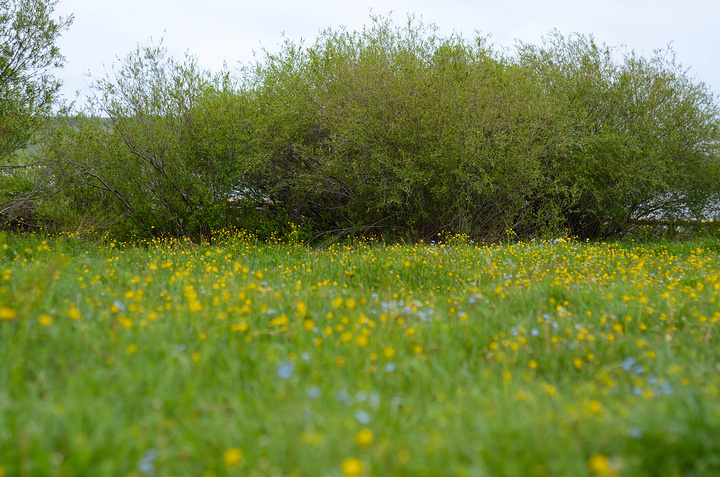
[392, 131]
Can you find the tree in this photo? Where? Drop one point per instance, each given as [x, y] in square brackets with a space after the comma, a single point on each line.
[644, 137]
[162, 148]
[28, 89]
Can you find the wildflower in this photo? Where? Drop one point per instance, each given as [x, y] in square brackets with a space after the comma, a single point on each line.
[364, 437]
[313, 392]
[362, 417]
[599, 465]
[146, 466]
[45, 320]
[286, 370]
[628, 363]
[351, 467]
[7, 314]
[301, 309]
[74, 313]
[281, 320]
[232, 457]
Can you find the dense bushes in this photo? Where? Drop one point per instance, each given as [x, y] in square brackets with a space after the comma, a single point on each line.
[393, 131]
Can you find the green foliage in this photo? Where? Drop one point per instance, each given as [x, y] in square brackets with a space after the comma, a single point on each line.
[397, 130]
[28, 91]
[394, 131]
[644, 141]
[159, 148]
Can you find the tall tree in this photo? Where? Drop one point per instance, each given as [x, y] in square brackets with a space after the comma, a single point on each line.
[28, 89]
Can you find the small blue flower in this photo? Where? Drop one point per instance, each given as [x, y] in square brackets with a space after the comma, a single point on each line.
[314, 392]
[343, 397]
[146, 466]
[628, 363]
[362, 417]
[286, 370]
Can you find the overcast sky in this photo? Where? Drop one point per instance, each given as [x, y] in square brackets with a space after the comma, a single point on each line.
[226, 30]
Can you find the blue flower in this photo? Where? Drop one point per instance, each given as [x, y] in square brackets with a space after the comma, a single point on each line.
[362, 417]
[314, 392]
[146, 466]
[628, 363]
[286, 370]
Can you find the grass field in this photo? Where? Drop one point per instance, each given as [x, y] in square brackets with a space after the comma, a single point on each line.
[546, 358]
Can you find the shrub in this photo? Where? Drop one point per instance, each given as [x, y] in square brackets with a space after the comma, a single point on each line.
[644, 140]
[399, 131]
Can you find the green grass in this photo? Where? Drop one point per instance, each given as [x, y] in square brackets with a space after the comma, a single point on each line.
[553, 358]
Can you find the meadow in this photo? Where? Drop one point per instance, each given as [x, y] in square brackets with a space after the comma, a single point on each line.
[444, 358]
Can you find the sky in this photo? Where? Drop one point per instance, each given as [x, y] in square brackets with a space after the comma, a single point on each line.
[218, 31]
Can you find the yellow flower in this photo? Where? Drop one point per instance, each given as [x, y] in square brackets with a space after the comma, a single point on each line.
[232, 457]
[45, 319]
[301, 309]
[337, 303]
[599, 464]
[7, 314]
[74, 313]
[281, 320]
[364, 437]
[351, 467]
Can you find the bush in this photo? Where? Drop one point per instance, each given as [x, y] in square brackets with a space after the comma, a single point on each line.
[159, 150]
[398, 131]
[644, 140]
